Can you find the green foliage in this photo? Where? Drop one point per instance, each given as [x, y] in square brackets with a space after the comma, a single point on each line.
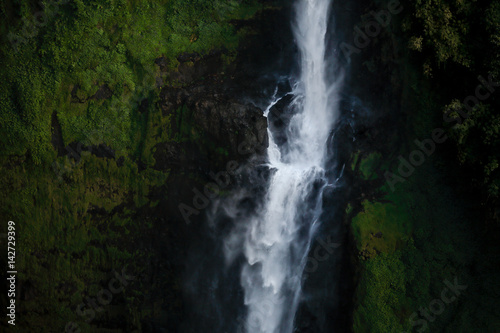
[425, 239]
[441, 28]
[368, 165]
[478, 141]
[423, 234]
[93, 65]
[465, 36]
[25, 122]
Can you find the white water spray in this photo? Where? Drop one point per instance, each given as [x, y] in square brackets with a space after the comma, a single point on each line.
[276, 241]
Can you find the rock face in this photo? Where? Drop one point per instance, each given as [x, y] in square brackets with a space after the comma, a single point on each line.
[231, 124]
[208, 122]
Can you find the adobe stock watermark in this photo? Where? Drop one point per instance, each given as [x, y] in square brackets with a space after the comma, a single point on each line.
[40, 19]
[372, 28]
[427, 147]
[436, 307]
[88, 309]
[212, 190]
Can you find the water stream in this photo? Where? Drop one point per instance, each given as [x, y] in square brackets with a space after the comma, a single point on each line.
[276, 240]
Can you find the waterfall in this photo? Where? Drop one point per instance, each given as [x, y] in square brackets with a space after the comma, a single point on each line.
[276, 240]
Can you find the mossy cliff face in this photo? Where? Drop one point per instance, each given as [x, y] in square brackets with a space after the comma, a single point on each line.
[105, 133]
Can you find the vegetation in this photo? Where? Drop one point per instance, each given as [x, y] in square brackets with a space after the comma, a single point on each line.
[437, 225]
[459, 42]
[411, 242]
[78, 127]
[79, 77]
[91, 46]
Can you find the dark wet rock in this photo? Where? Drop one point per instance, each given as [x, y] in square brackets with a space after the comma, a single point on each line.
[120, 161]
[74, 150]
[186, 56]
[162, 62]
[104, 92]
[279, 118]
[192, 67]
[141, 166]
[76, 96]
[143, 107]
[219, 121]
[232, 123]
[57, 139]
[159, 82]
[97, 211]
[102, 150]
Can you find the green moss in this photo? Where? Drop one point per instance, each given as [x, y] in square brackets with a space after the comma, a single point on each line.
[369, 165]
[381, 227]
[92, 44]
[69, 242]
[383, 291]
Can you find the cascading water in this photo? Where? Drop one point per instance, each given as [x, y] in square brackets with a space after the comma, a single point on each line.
[276, 240]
